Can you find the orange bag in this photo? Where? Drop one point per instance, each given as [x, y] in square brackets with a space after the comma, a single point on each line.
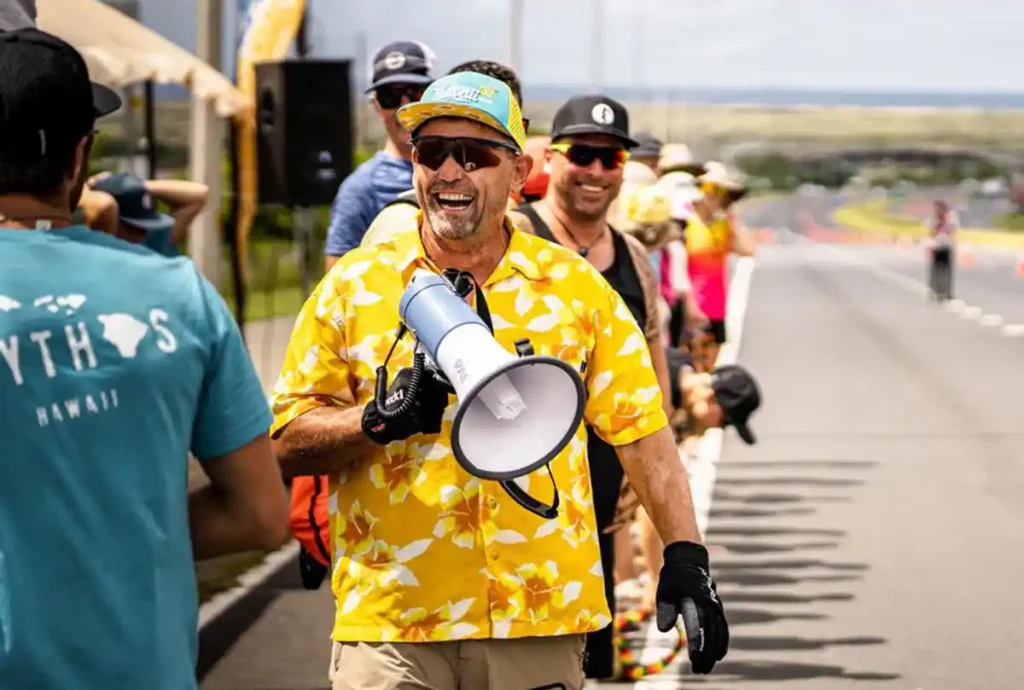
[308, 517]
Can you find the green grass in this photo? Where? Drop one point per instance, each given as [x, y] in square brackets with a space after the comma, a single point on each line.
[218, 575]
[874, 218]
[275, 285]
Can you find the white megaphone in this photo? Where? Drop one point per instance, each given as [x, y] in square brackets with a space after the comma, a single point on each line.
[515, 413]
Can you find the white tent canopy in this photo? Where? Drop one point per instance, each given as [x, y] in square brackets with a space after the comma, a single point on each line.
[120, 51]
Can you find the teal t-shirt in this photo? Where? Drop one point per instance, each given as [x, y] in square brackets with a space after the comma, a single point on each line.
[115, 363]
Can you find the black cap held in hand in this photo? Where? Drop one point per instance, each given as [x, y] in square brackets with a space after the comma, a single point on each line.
[739, 396]
[592, 114]
[47, 103]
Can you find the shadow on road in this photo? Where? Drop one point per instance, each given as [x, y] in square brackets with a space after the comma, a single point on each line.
[771, 559]
[218, 638]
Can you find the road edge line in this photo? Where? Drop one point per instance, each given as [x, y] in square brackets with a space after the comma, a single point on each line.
[247, 582]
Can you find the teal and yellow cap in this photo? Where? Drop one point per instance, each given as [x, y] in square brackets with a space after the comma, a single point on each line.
[472, 96]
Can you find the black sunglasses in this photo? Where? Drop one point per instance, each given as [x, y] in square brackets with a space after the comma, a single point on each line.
[469, 152]
[583, 155]
[390, 96]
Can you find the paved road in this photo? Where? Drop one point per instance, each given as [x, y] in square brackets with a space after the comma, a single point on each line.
[871, 539]
[888, 480]
[987, 281]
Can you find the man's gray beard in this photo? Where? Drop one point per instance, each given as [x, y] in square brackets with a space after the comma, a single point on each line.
[446, 230]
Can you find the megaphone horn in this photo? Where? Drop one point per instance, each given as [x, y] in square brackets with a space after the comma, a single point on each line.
[515, 413]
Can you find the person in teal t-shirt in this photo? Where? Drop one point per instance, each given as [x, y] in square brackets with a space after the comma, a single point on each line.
[115, 364]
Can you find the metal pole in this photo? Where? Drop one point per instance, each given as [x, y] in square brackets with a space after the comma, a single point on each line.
[515, 37]
[363, 110]
[303, 218]
[150, 128]
[596, 54]
[640, 55]
[302, 37]
[237, 270]
[206, 147]
[302, 221]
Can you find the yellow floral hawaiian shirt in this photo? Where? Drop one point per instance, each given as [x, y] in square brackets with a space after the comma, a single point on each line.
[423, 551]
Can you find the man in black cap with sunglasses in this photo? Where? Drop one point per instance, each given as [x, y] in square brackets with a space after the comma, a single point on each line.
[590, 144]
[115, 364]
[400, 72]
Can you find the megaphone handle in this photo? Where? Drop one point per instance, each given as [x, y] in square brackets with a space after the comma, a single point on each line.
[530, 503]
[410, 392]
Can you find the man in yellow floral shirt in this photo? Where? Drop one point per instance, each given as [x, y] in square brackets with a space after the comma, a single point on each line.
[441, 579]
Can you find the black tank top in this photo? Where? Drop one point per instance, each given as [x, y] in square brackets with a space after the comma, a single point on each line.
[605, 468]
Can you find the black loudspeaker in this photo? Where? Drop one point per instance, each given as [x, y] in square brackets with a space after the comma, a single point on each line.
[303, 130]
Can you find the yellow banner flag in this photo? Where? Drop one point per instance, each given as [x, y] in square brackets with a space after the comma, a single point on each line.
[272, 25]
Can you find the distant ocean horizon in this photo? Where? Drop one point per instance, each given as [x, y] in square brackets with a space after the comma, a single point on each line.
[784, 97]
[764, 97]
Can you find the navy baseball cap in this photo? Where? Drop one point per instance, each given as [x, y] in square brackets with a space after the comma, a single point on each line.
[47, 102]
[135, 204]
[402, 62]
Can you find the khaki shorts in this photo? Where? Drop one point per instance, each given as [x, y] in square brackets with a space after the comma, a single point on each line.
[530, 663]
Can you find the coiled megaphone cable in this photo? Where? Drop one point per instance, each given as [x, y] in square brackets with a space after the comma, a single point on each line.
[414, 381]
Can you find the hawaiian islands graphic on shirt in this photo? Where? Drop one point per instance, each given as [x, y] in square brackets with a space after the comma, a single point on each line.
[77, 337]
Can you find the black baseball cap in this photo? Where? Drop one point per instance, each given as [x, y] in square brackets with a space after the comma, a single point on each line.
[592, 114]
[47, 102]
[739, 396]
[134, 202]
[402, 62]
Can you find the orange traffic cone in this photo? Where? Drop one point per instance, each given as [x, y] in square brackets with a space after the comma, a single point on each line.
[1019, 269]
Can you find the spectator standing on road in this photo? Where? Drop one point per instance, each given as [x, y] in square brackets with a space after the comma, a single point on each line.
[942, 227]
[405, 515]
[400, 73]
[115, 363]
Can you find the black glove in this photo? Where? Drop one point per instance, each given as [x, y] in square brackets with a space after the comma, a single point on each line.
[685, 588]
[422, 417]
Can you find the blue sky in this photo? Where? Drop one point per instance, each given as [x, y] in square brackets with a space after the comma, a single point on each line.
[928, 45]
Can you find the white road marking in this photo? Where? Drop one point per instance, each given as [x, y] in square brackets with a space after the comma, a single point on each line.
[703, 471]
[247, 582]
[956, 306]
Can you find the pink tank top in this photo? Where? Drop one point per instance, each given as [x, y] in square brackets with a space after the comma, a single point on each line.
[708, 251]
